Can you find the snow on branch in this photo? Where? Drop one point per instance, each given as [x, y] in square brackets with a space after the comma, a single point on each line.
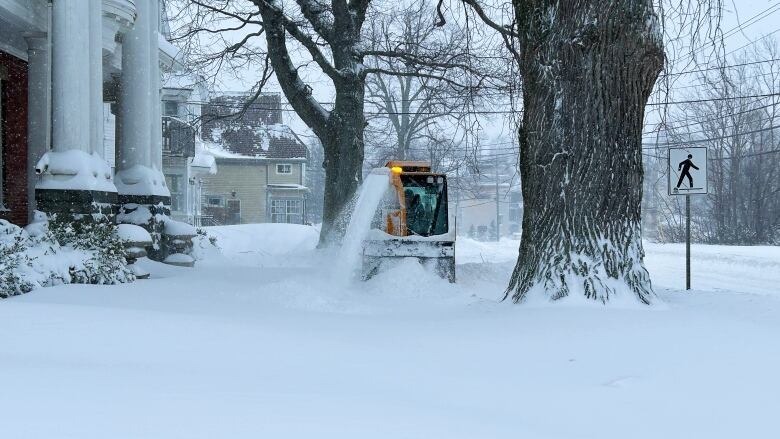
[273, 12]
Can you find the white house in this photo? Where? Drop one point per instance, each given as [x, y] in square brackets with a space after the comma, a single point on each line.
[61, 62]
[185, 163]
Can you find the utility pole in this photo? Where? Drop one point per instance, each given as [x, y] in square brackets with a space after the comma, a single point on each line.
[457, 198]
[498, 211]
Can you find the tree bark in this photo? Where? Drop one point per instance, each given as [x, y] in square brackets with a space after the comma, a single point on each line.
[588, 68]
[340, 129]
[344, 153]
[343, 134]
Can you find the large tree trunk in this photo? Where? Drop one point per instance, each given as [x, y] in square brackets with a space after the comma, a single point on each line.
[344, 150]
[588, 68]
[340, 130]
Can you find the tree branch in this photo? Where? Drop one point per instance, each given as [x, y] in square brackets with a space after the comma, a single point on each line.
[270, 11]
[314, 12]
[296, 91]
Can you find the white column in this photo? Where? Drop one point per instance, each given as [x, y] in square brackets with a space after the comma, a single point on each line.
[154, 77]
[135, 93]
[140, 158]
[96, 76]
[38, 109]
[70, 69]
[70, 164]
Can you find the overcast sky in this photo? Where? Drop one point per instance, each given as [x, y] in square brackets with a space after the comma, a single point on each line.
[759, 18]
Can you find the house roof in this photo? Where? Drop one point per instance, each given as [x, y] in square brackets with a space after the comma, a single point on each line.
[251, 135]
[286, 148]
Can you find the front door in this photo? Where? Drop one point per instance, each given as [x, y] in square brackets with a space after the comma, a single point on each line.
[233, 212]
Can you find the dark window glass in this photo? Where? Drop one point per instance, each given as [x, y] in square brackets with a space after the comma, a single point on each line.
[426, 204]
[171, 108]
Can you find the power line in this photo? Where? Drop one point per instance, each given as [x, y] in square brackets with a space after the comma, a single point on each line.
[727, 66]
[736, 29]
[725, 116]
[671, 127]
[496, 112]
[752, 42]
[723, 98]
[756, 154]
[688, 142]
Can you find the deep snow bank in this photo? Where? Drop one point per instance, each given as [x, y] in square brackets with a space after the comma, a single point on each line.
[264, 239]
[245, 351]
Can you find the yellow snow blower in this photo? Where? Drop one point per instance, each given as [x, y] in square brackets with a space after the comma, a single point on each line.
[412, 221]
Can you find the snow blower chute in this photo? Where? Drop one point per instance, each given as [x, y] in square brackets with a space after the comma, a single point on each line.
[412, 221]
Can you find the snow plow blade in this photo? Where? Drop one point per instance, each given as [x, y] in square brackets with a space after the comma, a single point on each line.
[438, 255]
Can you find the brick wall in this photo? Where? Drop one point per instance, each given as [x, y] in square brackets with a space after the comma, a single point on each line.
[13, 122]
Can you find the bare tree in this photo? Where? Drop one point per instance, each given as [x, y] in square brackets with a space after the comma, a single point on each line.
[291, 39]
[421, 113]
[734, 111]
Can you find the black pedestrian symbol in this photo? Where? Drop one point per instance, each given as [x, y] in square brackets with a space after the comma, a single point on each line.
[686, 166]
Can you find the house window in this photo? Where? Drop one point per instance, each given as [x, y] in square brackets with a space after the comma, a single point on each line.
[287, 211]
[176, 187]
[284, 168]
[170, 108]
[215, 201]
[233, 213]
[515, 214]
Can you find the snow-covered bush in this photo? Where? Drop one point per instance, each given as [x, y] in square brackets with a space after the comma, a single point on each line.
[106, 264]
[47, 254]
[12, 256]
[203, 244]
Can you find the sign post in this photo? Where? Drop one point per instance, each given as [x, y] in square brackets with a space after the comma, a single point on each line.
[687, 242]
[687, 176]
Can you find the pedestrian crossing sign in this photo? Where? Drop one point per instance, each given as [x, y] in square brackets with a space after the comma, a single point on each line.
[688, 171]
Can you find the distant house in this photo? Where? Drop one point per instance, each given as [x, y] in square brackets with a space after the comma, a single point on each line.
[474, 197]
[64, 67]
[184, 162]
[261, 162]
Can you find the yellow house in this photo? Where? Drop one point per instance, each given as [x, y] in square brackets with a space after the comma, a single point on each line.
[265, 186]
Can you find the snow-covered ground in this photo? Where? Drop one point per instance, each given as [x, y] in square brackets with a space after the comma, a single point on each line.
[268, 342]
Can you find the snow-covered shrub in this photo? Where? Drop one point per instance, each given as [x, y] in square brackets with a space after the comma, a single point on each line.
[106, 264]
[203, 244]
[47, 254]
[12, 257]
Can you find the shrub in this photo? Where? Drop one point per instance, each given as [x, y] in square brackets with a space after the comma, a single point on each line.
[204, 244]
[59, 252]
[12, 257]
[106, 263]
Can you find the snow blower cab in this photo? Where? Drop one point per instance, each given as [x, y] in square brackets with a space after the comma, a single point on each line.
[412, 221]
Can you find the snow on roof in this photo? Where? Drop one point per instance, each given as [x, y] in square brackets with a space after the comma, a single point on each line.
[179, 81]
[203, 161]
[170, 55]
[217, 150]
[275, 141]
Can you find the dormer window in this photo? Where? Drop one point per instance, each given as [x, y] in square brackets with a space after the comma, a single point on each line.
[284, 168]
[170, 108]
